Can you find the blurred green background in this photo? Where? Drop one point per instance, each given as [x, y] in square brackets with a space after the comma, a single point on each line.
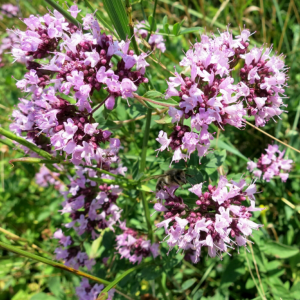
[272, 263]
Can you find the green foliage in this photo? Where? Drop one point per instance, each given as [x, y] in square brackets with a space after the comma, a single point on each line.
[118, 18]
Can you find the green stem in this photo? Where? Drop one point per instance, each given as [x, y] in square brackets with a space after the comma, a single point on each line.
[11, 145]
[131, 27]
[153, 21]
[142, 169]
[63, 12]
[145, 140]
[25, 143]
[143, 12]
[35, 160]
[163, 288]
[51, 263]
[117, 280]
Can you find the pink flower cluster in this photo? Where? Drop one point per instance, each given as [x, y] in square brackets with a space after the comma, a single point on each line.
[134, 247]
[218, 221]
[263, 79]
[156, 41]
[91, 208]
[9, 10]
[78, 64]
[87, 292]
[270, 165]
[209, 94]
[73, 256]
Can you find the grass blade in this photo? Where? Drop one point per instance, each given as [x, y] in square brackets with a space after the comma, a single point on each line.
[117, 14]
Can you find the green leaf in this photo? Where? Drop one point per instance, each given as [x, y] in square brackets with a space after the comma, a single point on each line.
[188, 283]
[191, 30]
[165, 20]
[43, 296]
[280, 291]
[229, 147]
[273, 265]
[280, 250]
[164, 120]
[198, 295]
[176, 28]
[118, 17]
[151, 273]
[135, 169]
[150, 20]
[166, 29]
[154, 95]
[120, 277]
[233, 271]
[166, 25]
[54, 285]
[98, 115]
[143, 188]
[213, 160]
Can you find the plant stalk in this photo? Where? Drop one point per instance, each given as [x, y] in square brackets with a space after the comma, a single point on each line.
[153, 20]
[142, 169]
[52, 263]
[117, 280]
[25, 143]
[131, 26]
[272, 137]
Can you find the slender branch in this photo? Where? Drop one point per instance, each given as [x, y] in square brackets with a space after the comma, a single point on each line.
[287, 202]
[51, 263]
[256, 268]
[25, 143]
[158, 62]
[142, 169]
[12, 236]
[11, 145]
[127, 272]
[98, 106]
[34, 160]
[140, 117]
[145, 141]
[136, 96]
[131, 26]
[272, 137]
[153, 20]
[59, 266]
[253, 278]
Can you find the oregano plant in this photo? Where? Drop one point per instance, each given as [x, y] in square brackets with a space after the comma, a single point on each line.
[89, 105]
